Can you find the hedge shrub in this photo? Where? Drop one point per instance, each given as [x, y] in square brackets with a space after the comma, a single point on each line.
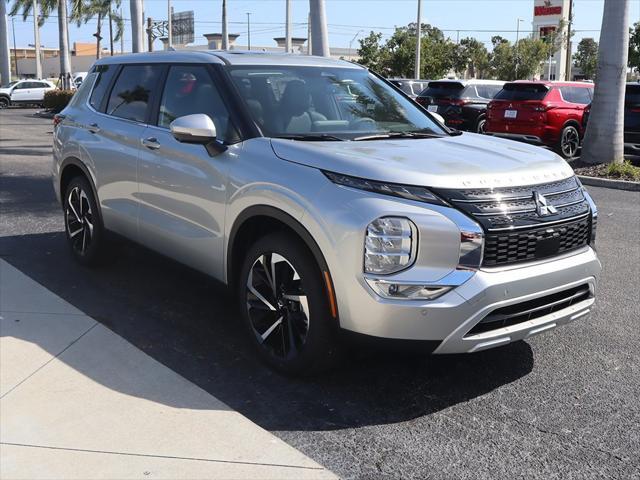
[56, 100]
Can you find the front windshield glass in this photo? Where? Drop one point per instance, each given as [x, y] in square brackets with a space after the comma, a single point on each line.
[346, 103]
[10, 84]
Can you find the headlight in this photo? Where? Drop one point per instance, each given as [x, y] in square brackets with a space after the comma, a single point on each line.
[390, 245]
[410, 192]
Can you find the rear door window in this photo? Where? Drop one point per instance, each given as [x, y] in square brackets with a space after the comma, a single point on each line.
[578, 95]
[105, 74]
[131, 94]
[522, 91]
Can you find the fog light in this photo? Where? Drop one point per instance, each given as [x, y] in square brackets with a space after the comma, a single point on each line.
[407, 291]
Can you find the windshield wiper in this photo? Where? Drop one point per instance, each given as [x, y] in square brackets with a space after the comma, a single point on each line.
[310, 137]
[408, 134]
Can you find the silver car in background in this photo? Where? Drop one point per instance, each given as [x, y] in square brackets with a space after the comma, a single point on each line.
[327, 200]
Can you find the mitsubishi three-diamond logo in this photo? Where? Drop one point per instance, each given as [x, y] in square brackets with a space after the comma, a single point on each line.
[542, 207]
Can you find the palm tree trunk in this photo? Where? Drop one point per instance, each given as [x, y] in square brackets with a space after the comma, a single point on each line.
[5, 59]
[137, 40]
[36, 38]
[63, 41]
[99, 36]
[110, 30]
[604, 140]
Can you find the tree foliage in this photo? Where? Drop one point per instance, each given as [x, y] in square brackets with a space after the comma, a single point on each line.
[586, 57]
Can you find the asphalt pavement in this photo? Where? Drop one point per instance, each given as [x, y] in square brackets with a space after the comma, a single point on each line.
[561, 405]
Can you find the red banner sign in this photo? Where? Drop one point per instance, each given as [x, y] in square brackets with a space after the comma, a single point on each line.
[543, 10]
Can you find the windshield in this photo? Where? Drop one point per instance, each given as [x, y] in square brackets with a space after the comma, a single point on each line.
[346, 103]
[10, 84]
[522, 91]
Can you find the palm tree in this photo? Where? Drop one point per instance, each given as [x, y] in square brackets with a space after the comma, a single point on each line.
[63, 43]
[603, 142]
[40, 14]
[101, 9]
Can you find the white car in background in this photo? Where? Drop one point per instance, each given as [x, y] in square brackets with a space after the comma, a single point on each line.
[24, 92]
[78, 78]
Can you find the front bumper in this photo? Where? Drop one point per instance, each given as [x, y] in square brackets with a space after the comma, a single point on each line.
[449, 319]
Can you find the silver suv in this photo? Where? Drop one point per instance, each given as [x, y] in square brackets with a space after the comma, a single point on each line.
[327, 200]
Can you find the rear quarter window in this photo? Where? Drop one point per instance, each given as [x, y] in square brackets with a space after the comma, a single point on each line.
[579, 95]
[105, 74]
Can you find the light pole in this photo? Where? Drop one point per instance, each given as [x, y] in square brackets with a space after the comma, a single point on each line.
[248, 31]
[517, 48]
[225, 30]
[169, 26]
[353, 40]
[287, 29]
[416, 73]
[319, 33]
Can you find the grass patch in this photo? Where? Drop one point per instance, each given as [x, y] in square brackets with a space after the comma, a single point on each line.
[624, 170]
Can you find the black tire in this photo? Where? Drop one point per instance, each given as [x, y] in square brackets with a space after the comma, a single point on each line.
[300, 344]
[84, 230]
[480, 124]
[569, 142]
[5, 102]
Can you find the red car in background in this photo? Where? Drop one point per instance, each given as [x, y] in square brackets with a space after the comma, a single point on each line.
[542, 113]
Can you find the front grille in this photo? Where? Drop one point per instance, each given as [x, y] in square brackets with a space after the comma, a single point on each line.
[517, 225]
[531, 309]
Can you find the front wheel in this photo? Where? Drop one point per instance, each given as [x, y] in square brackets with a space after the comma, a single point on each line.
[569, 142]
[285, 306]
[480, 124]
[4, 102]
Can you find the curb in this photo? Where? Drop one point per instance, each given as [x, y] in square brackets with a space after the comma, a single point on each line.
[609, 183]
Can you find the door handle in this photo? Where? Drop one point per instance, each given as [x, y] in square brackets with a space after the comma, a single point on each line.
[151, 142]
[94, 128]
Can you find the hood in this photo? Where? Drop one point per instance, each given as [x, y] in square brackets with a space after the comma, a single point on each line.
[465, 161]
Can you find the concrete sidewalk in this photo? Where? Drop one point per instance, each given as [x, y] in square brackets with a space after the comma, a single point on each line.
[78, 401]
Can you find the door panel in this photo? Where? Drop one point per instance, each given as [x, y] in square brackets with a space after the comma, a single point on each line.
[182, 200]
[20, 92]
[183, 190]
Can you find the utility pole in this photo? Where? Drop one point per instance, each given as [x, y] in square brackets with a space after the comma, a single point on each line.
[5, 55]
[225, 29]
[309, 43]
[248, 31]
[568, 64]
[36, 38]
[287, 29]
[517, 48]
[110, 30]
[15, 50]
[319, 33]
[416, 71]
[169, 25]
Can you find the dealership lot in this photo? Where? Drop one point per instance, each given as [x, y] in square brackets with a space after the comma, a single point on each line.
[564, 404]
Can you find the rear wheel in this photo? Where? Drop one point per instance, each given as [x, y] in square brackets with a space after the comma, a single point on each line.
[285, 306]
[83, 225]
[4, 102]
[569, 142]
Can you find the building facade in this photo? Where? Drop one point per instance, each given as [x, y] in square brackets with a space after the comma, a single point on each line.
[552, 17]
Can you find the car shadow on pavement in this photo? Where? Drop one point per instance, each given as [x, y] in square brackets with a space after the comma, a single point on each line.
[188, 322]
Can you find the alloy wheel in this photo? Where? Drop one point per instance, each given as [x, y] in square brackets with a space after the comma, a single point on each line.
[570, 142]
[79, 220]
[481, 125]
[4, 103]
[277, 306]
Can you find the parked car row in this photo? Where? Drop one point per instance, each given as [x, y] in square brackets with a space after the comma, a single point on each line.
[540, 113]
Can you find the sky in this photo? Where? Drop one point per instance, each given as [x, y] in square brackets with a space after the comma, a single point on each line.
[348, 20]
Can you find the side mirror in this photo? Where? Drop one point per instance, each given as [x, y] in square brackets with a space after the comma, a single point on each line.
[197, 128]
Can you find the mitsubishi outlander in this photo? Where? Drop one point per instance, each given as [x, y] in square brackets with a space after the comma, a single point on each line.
[327, 200]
